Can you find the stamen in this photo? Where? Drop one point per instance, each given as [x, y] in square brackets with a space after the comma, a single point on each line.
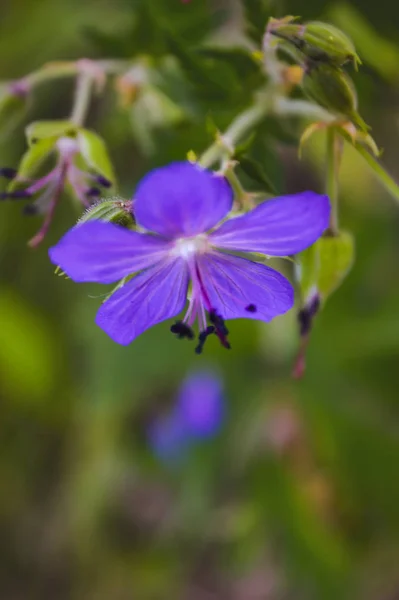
[93, 192]
[103, 181]
[203, 337]
[8, 172]
[182, 330]
[17, 195]
[30, 210]
[220, 328]
[251, 308]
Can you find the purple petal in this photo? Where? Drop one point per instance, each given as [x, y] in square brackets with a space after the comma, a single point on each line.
[277, 227]
[181, 199]
[157, 294]
[241, 289]
[201, 404]
[103, 253]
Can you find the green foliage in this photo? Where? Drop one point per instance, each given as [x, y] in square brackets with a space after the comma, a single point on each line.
[94, 151]
[324, 266]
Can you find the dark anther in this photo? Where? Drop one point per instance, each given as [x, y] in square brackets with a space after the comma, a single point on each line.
[314, 306]
[305, 322]
[220, 328]
[182, 330]
[93, 192]
[203, 337]
[8, 172]
[251, 308]
[307, 314]
[18, 194]
[103, 181]
[30, 210]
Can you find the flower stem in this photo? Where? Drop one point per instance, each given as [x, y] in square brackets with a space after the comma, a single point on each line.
[244, 123]
[385, 179]
[333, 158]
[267, 103]
[63, 69]
[81, 104]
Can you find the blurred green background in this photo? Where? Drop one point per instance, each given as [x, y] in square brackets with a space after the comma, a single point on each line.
[298, 497]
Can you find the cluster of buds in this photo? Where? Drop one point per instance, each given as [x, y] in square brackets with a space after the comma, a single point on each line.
[322, 50]
[81, 167]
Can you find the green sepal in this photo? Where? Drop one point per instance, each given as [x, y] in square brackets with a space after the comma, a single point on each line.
[39, 130]
[94, 151]
[115, 211]
[32, 160]
[334, 90]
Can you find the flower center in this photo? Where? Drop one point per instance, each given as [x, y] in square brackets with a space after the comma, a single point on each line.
[187, 247]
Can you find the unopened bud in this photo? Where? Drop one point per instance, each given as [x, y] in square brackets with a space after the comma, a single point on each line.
[320, 42]
[117, 211]
[333, 89]
[328, 43]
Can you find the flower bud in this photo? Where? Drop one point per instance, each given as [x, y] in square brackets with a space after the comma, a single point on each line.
[325, 42]
[321, 42]
[116, 210]
[333, 89]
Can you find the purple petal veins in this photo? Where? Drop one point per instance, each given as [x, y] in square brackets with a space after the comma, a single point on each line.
[277, 227]
[181, 203]
[182, 199]
[104, 253]
[154, 295]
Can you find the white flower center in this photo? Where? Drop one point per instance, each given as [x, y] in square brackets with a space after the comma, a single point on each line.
[187, 247]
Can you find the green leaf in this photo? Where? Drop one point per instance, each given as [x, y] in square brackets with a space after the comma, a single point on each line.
[257, 13]
[239, 59]
[32, 160]
[49, 129]
[336, 256]
[27, 354]
[256, 172]
[325, 265]
[12, 110]
[212, 81]
[94, 151]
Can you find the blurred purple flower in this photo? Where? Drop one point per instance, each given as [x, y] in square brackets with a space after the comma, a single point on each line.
[181, 204]
[198, 414]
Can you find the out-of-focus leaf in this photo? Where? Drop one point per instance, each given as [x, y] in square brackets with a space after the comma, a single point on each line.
[212, 81]
[257, 13]
[256, 172]
[378, 170]
[49, 129]
[336, 256]
[374, 49]
[324, 265]
[12, 109]
[239, 59]
[153, 110]
[32, 160]
[26, 350]
[94, 151]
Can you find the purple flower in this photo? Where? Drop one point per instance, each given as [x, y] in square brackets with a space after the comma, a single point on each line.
[181, 204]
[198, 414]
